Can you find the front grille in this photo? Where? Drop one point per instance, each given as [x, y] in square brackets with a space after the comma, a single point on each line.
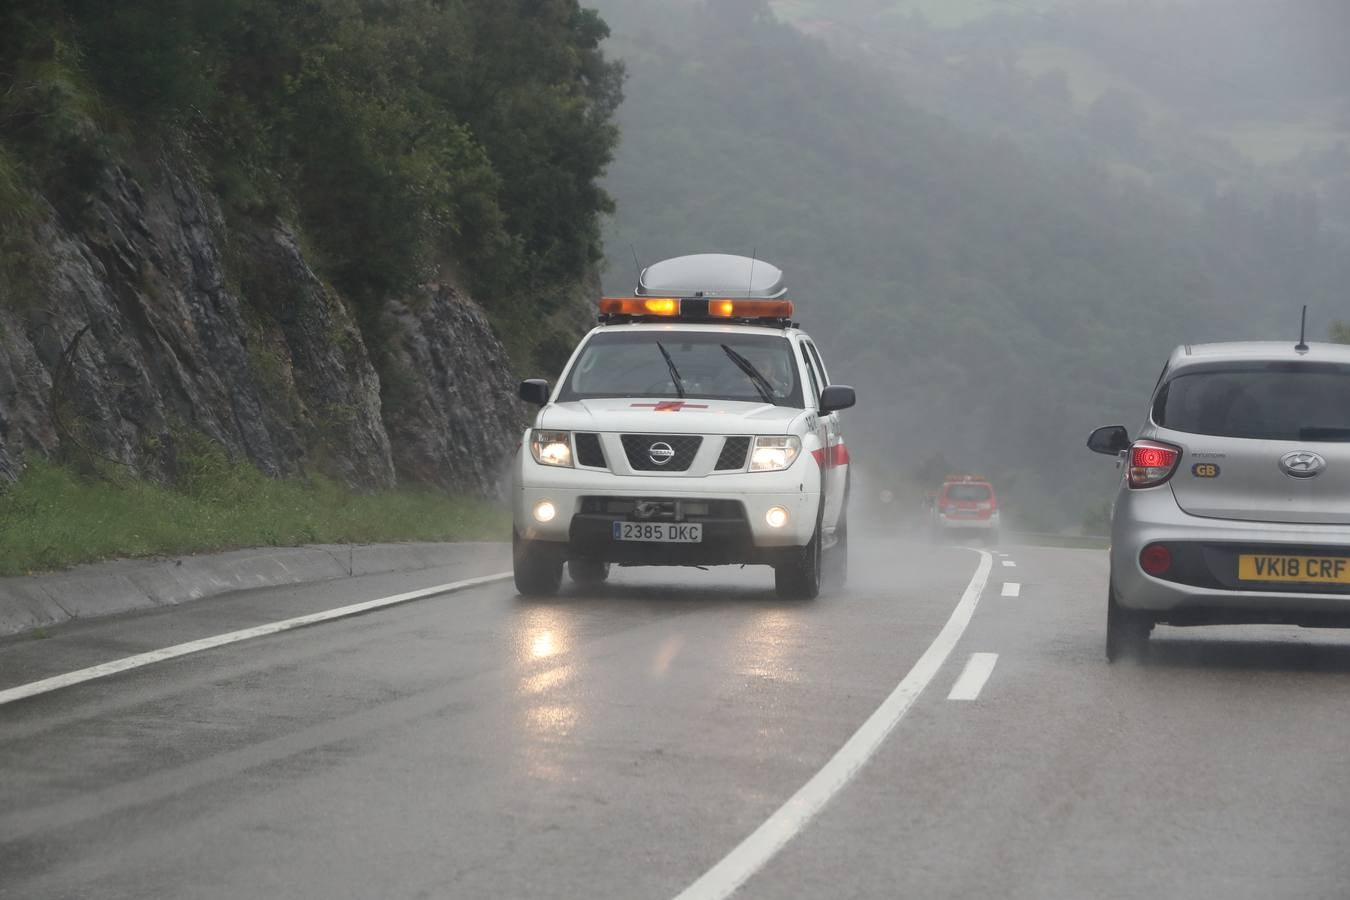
[663, 509]
[589, 452]
[733, 453]
[639, 449]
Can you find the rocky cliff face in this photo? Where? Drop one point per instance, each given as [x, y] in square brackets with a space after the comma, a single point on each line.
[447, 422]
[157, 318]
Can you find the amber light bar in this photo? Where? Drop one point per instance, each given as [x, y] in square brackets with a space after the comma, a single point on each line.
[639, 306]
[696, 308]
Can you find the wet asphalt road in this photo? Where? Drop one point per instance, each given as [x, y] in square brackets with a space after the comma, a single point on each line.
[618, 743]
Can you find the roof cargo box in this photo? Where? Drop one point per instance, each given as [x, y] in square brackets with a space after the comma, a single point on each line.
[712, 275]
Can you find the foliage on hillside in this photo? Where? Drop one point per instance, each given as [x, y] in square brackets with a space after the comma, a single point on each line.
[989, 306]
[409, 140]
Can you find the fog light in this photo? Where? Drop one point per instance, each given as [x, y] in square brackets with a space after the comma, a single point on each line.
[1155, 559]
[776, 517]
[544, 511]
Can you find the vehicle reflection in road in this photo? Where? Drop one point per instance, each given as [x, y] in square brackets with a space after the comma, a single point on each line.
[768, 641]
[543, 645]
[670, 649]
[548, 715]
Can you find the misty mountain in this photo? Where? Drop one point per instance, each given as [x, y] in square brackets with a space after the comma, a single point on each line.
[1189, 96]
[991, 304]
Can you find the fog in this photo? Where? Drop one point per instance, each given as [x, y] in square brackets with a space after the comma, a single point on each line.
[997, 218]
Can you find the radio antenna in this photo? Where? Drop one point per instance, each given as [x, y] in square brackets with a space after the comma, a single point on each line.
[637, 265]
[1302, 345]
[754, 256]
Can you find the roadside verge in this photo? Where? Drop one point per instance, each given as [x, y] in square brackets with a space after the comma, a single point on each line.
[101, 589]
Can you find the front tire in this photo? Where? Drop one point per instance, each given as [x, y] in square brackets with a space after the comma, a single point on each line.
[537, 567]
[1127, 630]
[799, 579]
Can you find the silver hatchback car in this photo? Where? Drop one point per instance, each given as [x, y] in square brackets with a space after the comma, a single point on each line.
[1234, 501]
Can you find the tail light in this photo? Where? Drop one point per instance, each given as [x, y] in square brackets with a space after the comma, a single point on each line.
[1151, 463]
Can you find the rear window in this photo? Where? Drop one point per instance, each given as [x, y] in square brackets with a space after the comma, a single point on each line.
[1265, 401]
[968, 492]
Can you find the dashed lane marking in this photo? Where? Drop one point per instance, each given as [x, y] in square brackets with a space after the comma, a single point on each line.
[1009, 563]
[971, 681]
[750, 855]
[1012, 589]
[103, 670]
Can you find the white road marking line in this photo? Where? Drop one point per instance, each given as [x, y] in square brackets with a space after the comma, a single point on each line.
[971, 681]
[103, 670]
[1010, 564]
[1012, 589]
[750, 855]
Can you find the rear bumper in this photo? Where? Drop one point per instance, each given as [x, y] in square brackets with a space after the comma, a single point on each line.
[1203, 587]
[960, 524]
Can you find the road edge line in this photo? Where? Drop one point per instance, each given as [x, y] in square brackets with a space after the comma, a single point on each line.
[752, 853]
[139, 660]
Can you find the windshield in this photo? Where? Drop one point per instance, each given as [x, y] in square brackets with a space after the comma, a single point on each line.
[1265, 401]
[705, 365]
[968, 492]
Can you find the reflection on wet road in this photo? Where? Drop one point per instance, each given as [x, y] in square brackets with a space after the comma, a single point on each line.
[618, 742]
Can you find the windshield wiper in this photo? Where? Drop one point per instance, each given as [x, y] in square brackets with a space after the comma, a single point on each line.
[674, 372]
[1323, 433]
[756, 377]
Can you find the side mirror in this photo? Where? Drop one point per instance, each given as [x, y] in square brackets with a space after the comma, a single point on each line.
[837, 397]
[1109, 439]
[534, 390]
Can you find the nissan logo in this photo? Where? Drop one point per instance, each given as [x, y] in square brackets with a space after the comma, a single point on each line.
[1302, 464]
[660, 453]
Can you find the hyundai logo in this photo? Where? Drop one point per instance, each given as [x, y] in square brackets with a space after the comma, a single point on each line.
[1302, 464]
[660, 453]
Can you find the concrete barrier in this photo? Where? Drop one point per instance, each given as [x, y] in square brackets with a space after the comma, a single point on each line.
[106, 588]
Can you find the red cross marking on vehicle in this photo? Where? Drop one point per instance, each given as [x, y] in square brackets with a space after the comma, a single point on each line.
[670, 406]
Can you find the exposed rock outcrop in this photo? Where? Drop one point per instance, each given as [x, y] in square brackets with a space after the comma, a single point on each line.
[158, 317]
[449, 403]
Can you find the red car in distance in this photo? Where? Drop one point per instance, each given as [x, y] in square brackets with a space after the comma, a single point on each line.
[966, 504]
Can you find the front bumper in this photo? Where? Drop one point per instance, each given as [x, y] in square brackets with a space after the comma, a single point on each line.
[1202, 587]
[743, 537]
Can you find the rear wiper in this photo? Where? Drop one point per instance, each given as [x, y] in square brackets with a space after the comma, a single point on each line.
[674, 372]
[756, 377]
[1322, 433]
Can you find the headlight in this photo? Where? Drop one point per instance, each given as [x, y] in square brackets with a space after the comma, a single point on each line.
[551, 448]
[773, 454]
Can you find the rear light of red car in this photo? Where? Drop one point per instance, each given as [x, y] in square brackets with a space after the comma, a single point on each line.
[1151, 463]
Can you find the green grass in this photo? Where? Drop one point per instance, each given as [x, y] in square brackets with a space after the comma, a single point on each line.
[52, 519]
